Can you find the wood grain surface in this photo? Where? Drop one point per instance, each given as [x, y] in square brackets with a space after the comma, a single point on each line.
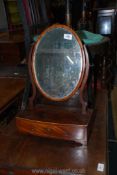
[10, 88]
[22, 154]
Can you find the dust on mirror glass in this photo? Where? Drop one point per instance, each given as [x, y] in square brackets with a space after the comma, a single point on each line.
[58, 63]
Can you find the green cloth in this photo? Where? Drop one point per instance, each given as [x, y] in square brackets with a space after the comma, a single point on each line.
[86, 36]
[89, 37]
[35, 38]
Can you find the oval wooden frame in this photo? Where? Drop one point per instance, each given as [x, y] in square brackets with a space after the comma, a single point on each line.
[33, 63]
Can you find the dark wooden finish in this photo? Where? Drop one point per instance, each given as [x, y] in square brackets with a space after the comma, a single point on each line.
[10, 90]
[12, 49]
[53, 122]
[83, 62]
[100, 60]
[13, 71]
[21, 153]
[84, 74]
[111, 15]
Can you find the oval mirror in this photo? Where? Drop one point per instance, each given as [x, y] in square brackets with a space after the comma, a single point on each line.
[58, 63]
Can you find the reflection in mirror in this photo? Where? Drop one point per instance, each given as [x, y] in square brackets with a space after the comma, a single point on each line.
[57, 63]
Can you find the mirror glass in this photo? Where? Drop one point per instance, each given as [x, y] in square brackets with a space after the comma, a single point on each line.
[57, 63]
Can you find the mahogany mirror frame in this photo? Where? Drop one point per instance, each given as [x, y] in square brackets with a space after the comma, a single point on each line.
[79, 83]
